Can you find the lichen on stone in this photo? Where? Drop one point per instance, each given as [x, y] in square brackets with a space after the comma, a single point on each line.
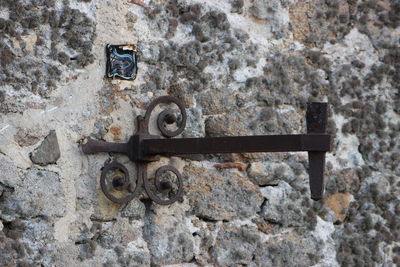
[41, 44]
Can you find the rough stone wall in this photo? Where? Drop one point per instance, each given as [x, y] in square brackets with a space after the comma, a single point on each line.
[243, 67]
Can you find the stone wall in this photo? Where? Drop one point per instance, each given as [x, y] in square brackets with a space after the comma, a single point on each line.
[243, 67]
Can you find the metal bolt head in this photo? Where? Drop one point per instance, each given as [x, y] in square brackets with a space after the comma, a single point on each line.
[165, 186]
[170, 118]
[118, 183]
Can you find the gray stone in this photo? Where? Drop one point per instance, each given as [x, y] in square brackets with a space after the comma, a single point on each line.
[48, 152]
[61, 254]
[40, 194]
[249, 120]
[87, 250]
[11, 247]
[290, 249]
[267, 173]
[194, 124]
[264, 9]
[286, 206]
[236, 246]
[232, 123]
[272, 11]
[149, 52]
[120, 232]
[216, 102]
[26, 240]
[43, 66]
[134, 209]
[169, 239]
[8, 172]
[221, 196]
[136, 254]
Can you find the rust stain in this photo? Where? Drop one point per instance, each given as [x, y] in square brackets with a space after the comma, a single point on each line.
[120, 95]
[300, 20]
[138, 2]
[338, 203]
[257, 20]
[116, 132]
[231, 165]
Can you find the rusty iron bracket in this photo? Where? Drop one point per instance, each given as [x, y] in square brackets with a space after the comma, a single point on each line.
[143, 148]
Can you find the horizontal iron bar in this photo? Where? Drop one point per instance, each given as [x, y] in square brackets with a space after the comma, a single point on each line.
[94, 146]
[237, 144]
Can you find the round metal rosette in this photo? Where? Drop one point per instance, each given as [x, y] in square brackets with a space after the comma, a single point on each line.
[168, 117]
[118, 188]
[165, 190]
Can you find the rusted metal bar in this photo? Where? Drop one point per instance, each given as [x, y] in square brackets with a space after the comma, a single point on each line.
[237, 144]
[316, 118]
[94, 146]
[143, 147]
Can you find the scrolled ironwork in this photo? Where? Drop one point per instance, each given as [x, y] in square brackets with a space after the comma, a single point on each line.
[167, 116]
[119, 183]
[143, 148]
[122, 182]
[158, 185]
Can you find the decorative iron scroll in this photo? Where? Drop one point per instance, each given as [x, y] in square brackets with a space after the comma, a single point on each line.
[143, 148]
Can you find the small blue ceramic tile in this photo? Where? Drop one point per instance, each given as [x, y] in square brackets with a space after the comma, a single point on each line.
[121, 62]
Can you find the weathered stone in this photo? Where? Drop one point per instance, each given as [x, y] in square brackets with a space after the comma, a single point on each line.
[136, 254]
[265, 9]
[215, 103]
[285, 206]
[289, 249]
[26, 137]
[258, 172]
[339, 203]
[267, 173]
[169, 239]
[134, 209]
[119, 232]
[194, 124]
[233, 123]
[344, 181]
[39, 194]
[216, 195]
[48, 152]
[236, 246]
[37, 51]
[87, 250]
[272, 11]
[11, 246]
[104, 209]
[39, 231]
[9, 175]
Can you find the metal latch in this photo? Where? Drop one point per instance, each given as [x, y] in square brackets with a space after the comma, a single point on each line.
[143, 148]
